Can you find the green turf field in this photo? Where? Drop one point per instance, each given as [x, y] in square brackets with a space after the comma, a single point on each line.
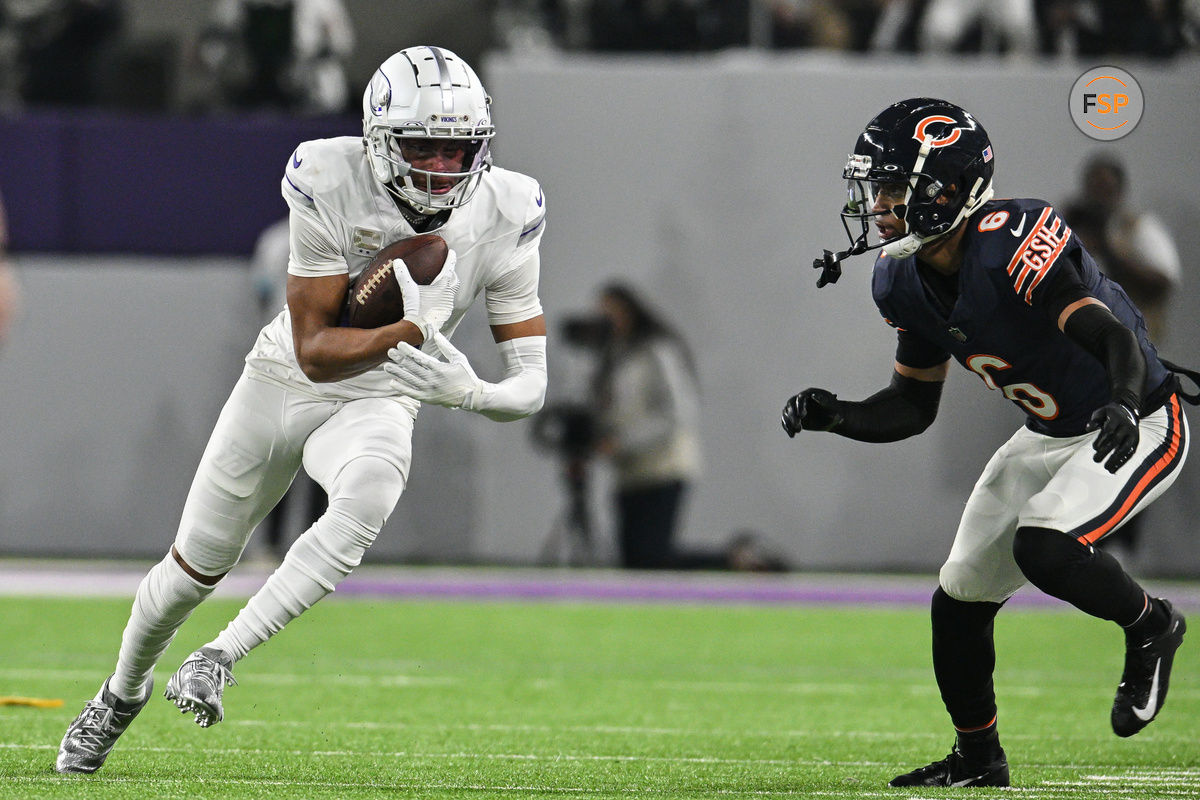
[363, 698]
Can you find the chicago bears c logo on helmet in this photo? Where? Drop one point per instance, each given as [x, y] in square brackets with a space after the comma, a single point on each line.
[949, 138]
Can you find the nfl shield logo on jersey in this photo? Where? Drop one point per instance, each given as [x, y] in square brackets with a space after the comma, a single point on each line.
[366, 242]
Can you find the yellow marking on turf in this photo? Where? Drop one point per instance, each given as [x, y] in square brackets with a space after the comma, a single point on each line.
[33, 702]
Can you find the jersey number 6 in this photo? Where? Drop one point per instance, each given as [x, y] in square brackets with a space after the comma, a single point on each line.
[1028, 396]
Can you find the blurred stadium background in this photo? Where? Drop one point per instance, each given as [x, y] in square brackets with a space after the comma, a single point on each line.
[708, 176]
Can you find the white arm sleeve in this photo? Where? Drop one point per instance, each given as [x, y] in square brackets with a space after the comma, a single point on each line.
[523, 389]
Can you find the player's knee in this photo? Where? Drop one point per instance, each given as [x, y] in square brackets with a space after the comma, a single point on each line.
[365, 492]
[1042, 553]
[360, 500]
[959, 580]
[205, 552]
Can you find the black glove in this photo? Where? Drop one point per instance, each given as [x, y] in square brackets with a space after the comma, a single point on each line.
[1118, 434]
[811, 410]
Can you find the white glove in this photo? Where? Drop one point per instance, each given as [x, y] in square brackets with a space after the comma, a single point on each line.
[451, 383]
[429, 307]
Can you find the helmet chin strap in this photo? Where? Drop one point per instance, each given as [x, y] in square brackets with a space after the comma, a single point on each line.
[905, 246]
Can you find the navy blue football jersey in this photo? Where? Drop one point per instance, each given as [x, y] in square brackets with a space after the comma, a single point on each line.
[998, 327]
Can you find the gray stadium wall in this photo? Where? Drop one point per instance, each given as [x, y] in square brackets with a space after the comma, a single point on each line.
[710, 183]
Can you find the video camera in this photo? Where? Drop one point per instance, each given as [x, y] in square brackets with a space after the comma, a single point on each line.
[588, 331]
[568, 429]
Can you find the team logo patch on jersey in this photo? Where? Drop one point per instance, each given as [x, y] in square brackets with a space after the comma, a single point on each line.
[366, 242]
[1037, 254]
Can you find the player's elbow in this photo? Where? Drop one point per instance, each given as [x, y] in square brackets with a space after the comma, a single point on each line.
[535, 406]
[924, 419]
[314, 368]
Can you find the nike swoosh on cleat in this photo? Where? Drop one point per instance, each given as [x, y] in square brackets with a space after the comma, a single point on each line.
[967, 781]
[1146, 713]
[1020, 227]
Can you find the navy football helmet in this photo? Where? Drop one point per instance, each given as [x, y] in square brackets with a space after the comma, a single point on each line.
[933, 149]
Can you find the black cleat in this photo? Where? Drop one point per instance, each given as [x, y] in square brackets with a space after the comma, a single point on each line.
[1143, 688]
[956, 770]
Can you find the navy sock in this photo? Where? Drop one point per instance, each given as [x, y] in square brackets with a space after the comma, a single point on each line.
[1152, 621]
[981, 745]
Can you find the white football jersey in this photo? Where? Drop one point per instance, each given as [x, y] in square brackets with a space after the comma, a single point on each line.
[341, 215]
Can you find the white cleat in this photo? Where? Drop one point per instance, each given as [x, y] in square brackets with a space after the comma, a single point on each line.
[91, 737]
[197, 686]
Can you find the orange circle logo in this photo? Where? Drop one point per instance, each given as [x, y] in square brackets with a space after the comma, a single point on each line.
[947, 139]
[1106, 103]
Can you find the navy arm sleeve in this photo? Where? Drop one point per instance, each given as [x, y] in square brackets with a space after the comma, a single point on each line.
[903, 409]
[1094, 328]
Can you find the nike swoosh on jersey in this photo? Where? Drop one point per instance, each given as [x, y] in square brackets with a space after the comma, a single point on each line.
[1020, 227]
[296, 163]
[1146, 713]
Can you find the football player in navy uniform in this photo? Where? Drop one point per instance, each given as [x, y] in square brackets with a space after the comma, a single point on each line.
[339, 401]
[1006, 289]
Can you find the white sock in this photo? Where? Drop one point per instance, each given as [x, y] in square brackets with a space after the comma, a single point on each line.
[361, 497]
[312, 568]
[165, 598]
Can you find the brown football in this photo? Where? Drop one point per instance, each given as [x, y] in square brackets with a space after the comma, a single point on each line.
[374, 299]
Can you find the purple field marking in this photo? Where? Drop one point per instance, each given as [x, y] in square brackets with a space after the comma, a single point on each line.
[661, 590]
[108, 579]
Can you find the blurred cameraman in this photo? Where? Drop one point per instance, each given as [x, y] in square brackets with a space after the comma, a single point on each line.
[647, 414]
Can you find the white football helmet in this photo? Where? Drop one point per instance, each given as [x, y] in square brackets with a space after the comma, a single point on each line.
[426, 93]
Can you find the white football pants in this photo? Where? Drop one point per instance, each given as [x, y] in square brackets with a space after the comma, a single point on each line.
[1047, 482]
[262, 437]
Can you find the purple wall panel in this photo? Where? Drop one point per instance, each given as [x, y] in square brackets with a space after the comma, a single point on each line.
[32, 181]
[103, 183]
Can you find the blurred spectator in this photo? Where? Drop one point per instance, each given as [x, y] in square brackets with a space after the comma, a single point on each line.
[1136, 250]
[52, 50]
[824, 24]
[1131, 246]
[897, 26]
[284, 54]
[643, 417]
[647, 394]
[268, 272]
[10, 293]
[537, 26]
[1150, 28]
[998, 25]
[668, 25]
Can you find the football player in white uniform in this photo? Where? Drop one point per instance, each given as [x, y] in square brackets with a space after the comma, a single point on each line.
[338, 401]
